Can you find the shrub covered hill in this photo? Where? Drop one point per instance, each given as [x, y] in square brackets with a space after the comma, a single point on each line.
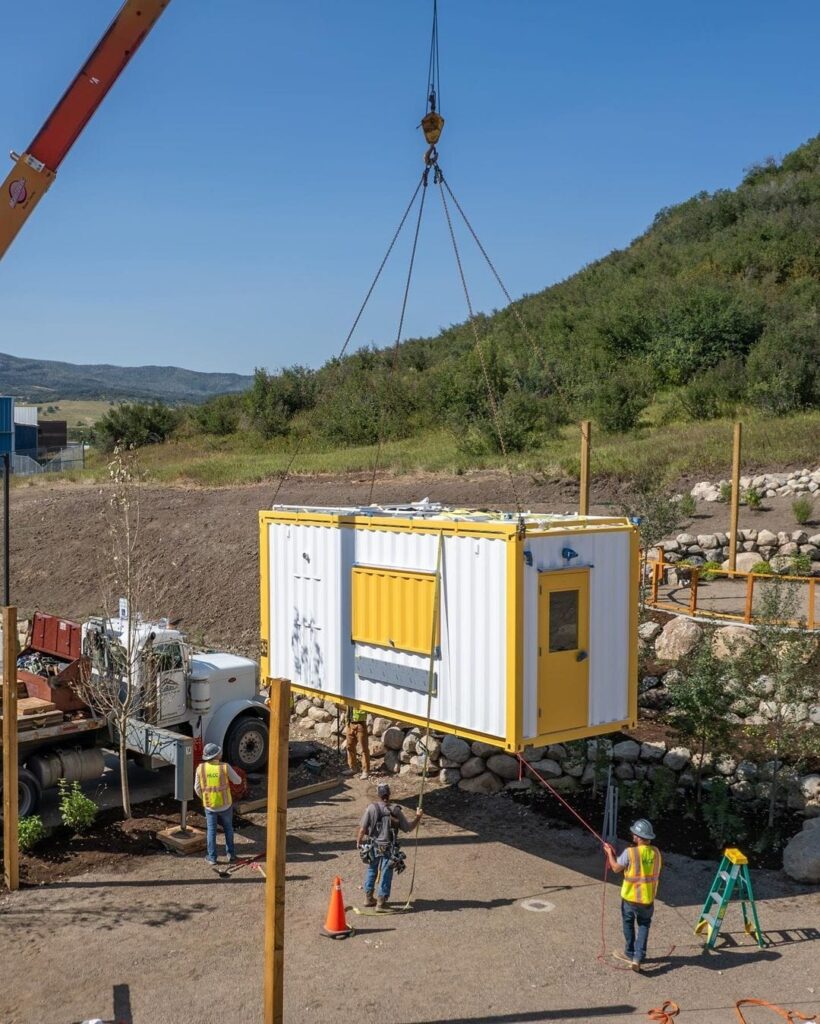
[718, 299]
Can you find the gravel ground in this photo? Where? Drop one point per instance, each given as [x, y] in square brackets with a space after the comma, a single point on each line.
[167, 942]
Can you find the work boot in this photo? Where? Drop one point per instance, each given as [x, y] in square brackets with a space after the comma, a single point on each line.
[369, 899]
[636, 966]
[364, 776]
[381, 903]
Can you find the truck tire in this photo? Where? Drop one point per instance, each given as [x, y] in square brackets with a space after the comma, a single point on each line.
[28, 794]
[246, 744]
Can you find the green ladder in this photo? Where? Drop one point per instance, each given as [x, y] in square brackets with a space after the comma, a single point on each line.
[733, 871]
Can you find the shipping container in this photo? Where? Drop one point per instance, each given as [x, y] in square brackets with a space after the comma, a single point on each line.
[516, 629]
[26, 440]
[25, 415]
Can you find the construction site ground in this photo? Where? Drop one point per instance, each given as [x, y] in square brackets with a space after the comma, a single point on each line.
[505, 928]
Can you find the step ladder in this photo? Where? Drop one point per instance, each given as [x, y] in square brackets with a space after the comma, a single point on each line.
[732, 873]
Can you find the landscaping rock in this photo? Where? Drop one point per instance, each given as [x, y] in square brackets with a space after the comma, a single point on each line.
[746, 771]
[801, 857]
[449, 776]
[624, 770]
[504, 766]
[729, 641]
[533, 753]
[455, 749]
[810, 791]
[376, 748]
[726, 765]
[653, 751]
[409, 743]
[742, 791]
[626, 750]
[677, 758]
[486, 749]
[765, 538]
[744, 561]
[380, 726]
[566, 784]
[393, 738]
[302, 707]
[678, 638]
[647, 631]
[546, 768]
[519, 785]
[557, 751]
[431, 745]
[472, 767]
[648, 683]
[486, 784]
[319, 715]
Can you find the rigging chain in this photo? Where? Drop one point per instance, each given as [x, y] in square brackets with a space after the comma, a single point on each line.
[331, 377]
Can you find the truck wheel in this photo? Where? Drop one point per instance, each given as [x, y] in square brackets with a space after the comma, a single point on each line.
[246, 744]
[28, 794]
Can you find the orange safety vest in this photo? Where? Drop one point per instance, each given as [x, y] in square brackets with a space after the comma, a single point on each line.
[641, 875]
[214, 785]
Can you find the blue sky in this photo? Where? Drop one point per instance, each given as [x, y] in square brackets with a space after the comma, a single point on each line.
[229, 203]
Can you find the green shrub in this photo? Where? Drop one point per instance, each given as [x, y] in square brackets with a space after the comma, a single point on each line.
[709, 570]
[800, 565]
[687, 506]
[76, 810]
[725, 493]
[753, 499]
[134, 424]
[219, 416]
[618, 403]
[802, 509]
[30, 831]
[723, 823]
[761, 567]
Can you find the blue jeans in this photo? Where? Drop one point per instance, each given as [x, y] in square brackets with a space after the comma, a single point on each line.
[383, 865]
[225, 819]
[636, 918]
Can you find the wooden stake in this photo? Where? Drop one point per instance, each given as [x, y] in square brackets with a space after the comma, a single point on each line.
[274, 966]
[735, 497]
[11, 851]
[583, 504]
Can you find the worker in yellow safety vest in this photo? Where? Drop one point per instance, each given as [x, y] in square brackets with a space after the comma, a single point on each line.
[212, 784]
[641, 866]
[357, 737]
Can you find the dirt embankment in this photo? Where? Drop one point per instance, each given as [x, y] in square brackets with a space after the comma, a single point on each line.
[202, 544]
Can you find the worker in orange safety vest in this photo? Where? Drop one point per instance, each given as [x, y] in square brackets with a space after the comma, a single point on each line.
[212, 784]
[641, 866]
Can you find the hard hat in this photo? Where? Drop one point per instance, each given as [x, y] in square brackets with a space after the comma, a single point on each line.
[211, 752]
[383, 790]
[642, 829]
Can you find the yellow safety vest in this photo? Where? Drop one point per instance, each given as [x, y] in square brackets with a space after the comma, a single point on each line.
[641, 875]
[357, 716]
[214, 785]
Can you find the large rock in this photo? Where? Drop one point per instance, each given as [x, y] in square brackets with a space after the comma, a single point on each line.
[626, 750]
[677, 758]
[503, 765]
[546, 768]
[409, 744]
[449, 776]
[531, 753]
[678, 638]
[810, 791]
[653, 751]
[801, 857]
[486, 749]
[320, 715]
[729, 641]
[376, 748]
[391, 763]
[429, 745]
[765, 538]
[302, 707]
[393, 738]
[455, 749]
[472, 767]
[380, 726]
[486, 784]
[745, 561]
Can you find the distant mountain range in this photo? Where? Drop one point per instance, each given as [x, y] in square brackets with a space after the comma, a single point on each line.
[43, 380]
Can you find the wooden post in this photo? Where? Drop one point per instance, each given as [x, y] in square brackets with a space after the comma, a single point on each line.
[693, 590]
[11, 851]
[810, 615]
[583, 503]
[274, 964]
[735, 496]
[750, 597]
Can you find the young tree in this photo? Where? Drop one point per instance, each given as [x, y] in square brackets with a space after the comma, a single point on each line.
[658, 513]
[780, 664]
[118, 682]
[700, 702]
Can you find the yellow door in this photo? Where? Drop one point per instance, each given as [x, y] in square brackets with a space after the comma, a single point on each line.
[563, 644]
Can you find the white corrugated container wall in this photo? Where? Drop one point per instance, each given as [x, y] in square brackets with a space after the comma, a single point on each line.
[25, 415]
[310, 620]
[608, 555]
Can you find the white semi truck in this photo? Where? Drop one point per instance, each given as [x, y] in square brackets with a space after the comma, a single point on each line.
[197, 694]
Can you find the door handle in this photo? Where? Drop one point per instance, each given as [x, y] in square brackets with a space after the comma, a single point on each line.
[581, 656]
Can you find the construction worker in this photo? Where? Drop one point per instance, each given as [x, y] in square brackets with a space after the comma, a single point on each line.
[641, 866]
[378, 832]
[357, 736]
[211, 783]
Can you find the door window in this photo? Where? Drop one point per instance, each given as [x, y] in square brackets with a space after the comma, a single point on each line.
[563, 621]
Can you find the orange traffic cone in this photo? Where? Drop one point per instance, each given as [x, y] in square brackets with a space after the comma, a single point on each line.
[336, 926]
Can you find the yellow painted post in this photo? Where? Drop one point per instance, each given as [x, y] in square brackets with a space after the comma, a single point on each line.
[11, 851]
[515, 643]
[750, 594]
[583, 505]
[735, 496]
[810, 614]
[693, 590]
[274, 964]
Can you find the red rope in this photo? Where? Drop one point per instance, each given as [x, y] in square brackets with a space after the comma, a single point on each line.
[558, 797]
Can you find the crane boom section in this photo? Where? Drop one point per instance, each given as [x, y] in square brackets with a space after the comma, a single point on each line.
[34, 171]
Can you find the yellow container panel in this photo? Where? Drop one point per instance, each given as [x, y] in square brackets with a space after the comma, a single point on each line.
[393, 608]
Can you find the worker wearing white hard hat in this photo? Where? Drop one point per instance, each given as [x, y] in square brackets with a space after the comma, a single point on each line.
[641, 865]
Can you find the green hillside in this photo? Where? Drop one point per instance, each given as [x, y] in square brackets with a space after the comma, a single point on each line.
[712, 310]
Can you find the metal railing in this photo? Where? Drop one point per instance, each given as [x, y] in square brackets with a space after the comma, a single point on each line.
[60, 460]
[693, 580]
